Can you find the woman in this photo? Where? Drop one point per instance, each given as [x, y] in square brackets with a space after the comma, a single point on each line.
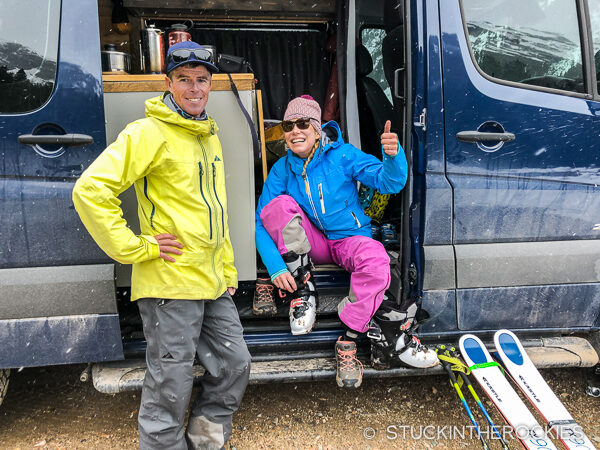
[309, 210]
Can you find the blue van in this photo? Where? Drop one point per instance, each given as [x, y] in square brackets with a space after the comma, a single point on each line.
[497, 105]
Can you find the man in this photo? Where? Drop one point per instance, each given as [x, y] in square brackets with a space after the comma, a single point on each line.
[183, 273]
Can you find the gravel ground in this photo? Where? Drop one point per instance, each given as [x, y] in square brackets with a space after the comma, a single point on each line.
[49, 408]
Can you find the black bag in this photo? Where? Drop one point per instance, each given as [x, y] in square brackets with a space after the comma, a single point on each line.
[233, 64]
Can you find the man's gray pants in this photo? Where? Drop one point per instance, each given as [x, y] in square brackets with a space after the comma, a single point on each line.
[176, 331]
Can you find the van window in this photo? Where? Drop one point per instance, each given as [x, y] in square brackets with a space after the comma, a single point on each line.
[372, 39]
[535, 42]
[28, 53]
[594, 8]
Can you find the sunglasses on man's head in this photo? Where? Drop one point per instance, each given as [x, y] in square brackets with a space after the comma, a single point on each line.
[184, 54]
[288, 125]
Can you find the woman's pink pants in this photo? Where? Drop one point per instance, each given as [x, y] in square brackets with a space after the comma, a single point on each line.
[365, 258]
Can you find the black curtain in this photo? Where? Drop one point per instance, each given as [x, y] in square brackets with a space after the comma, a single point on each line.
[287, 63]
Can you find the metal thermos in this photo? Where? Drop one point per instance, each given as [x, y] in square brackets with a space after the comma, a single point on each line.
[152, 50]
[179, 33]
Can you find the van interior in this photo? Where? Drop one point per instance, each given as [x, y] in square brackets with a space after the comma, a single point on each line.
[294, 48]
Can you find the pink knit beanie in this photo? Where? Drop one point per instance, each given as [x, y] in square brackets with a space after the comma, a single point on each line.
[304, 106]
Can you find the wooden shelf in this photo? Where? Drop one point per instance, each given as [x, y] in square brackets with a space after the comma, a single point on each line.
[153, 83]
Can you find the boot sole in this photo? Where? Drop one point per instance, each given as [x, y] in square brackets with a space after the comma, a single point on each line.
[347, 383]
[264, 312]
[302, 332]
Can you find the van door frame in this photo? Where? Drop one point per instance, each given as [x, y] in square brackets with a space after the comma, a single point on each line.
[403, 284]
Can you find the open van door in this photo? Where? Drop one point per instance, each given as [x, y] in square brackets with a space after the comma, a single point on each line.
[522, 139]
[57, 302]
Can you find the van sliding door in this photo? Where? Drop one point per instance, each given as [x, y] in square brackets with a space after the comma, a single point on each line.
[522, 133]
[57, 296]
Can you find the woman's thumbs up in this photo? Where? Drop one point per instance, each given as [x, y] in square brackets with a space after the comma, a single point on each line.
[389, 140]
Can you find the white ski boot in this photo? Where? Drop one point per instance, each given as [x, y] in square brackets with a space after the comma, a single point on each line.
[392, 342]
[303, 307]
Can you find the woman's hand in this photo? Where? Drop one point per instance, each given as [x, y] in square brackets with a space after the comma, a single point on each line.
[231, 290]
[389, 140]
[167, 243]
[285, 282]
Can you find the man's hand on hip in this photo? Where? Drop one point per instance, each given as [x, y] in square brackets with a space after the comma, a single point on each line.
[168, 244]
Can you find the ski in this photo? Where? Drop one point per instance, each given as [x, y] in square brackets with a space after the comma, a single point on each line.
[532, 384]
[488, 374]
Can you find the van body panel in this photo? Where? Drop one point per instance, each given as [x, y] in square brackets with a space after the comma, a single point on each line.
[550, 306]
[527, 263]
[541, 186]
[524, 212]
[434, 191]
[39, 224]
[441, 306]
[44, 341]
[439, 267]
[57, 291]
[431, 230]
[56, 308]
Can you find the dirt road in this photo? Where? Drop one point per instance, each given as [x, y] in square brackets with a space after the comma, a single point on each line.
[50, 409]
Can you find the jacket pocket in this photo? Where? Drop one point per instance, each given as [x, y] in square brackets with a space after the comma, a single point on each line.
[164, 303]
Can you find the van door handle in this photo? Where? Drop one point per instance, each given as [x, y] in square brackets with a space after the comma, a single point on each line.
[399, 88]
[479, 136]
[66, 140]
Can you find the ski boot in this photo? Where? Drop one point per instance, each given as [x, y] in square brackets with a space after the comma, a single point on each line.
[392, 342]
[303, 307]
[349, 369]
[264, 300]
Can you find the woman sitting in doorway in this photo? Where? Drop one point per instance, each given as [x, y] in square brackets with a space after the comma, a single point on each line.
[309, 210]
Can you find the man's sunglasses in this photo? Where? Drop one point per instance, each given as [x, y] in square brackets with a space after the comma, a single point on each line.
[183, 54]
[288, 125]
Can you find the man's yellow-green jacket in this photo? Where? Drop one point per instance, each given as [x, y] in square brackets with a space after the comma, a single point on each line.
[176, 166]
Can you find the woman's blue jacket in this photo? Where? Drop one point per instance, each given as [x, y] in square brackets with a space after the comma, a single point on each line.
[332, 204]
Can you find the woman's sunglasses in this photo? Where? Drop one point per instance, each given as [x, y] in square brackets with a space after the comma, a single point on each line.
[288, 125]
[183, 54]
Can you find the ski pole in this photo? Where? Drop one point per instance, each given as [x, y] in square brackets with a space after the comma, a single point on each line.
[454, 383]
[478, 401]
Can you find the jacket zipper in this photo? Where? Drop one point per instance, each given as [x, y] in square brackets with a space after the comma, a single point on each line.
[312, 205]
[202, 192]
[321, 198]
[153, 208]
[356, 219]
[217, 197]
[216, 247]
